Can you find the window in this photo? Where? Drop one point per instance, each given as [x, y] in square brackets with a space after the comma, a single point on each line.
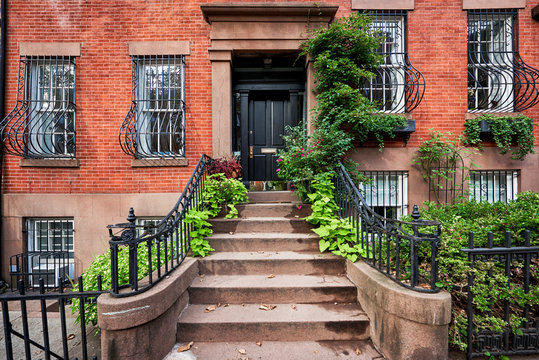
[387, 193]
[156, 117]
[50, 249]
[43, 123]
[498, 79]
[147, 225]
[397, 86]
[493, 185]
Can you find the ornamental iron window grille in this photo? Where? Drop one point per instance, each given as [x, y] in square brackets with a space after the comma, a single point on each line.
[49, 253]
[498, 79]
[397, 86]
[155, 124]
[494, 185]
[386, 193]
[42, 124]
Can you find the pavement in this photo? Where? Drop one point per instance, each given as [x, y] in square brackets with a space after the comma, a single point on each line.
[55, 337]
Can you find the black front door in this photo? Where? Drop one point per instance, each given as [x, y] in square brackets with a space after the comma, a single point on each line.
[269, 113]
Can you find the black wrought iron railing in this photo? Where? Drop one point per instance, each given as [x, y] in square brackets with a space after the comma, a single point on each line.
[513, 269]
[161, 247]
[404, 251]
[42, 124]
[34, 265]
[32, 338]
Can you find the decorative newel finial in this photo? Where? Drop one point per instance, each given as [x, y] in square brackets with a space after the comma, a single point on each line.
[131, 217]
[415, 213]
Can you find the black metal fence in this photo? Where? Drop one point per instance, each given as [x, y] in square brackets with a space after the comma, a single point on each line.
[504, 321]
[51, 266]
[36, 337]
[403, 251]
[161, 247]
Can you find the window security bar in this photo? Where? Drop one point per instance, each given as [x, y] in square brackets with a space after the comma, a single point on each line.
[498, 79]
[155, 124]
[397, 85]
[494, 185]
[387, 193]
[42, 124]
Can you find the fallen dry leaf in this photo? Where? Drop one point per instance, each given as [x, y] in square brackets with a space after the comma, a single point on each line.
[210, 308]
[271, 276]
[242, 351]
[70, 336]
[231, 233]
[267, 307]
[260, 252]
[358, 351]
[225, 305]
[316, 351]
[259, 343]
[219, 305]
[185, 347]
[293, 307]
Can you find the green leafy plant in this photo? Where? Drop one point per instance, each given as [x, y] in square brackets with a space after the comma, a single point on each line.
[344, 56]
[230, 166]
[506, 130]
[200, 231]
[336, 235]
[221, 193]
[439, 158]
[481, 217]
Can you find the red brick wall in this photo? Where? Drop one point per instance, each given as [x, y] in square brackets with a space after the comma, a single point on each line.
[437, 47]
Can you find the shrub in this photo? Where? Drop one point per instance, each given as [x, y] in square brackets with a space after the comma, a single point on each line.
[229, 166]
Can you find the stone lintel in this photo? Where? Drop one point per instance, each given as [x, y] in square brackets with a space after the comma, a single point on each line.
[159, 48]
[382, 4]
[49, 49]
[493, 4]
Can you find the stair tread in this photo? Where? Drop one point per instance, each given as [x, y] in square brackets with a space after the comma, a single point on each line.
[263, 281]
[270, 255]
[262, 236]
[258, 219]
[282, 313]
[290, 350]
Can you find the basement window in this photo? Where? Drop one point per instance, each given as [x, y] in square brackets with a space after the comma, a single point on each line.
[494, 185]
[387, 193]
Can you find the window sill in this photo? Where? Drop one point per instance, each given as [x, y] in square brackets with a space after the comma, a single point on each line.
[137, 163]
[50, 163]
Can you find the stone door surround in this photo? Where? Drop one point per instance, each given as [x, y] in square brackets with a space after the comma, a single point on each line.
[263, 27]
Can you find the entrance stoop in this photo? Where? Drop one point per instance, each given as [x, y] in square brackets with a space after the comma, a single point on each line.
[268, 293]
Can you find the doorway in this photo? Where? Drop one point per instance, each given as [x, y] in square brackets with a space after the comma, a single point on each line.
[268, 97]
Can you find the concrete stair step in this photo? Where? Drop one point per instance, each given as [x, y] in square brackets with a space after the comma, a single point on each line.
[272, 197]
[240, 289]
[248, 322]
[271, 262]
[286, 350]
[285, 210]
[264, 241]
[260, 224]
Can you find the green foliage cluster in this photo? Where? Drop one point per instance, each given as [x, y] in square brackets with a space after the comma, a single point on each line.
[200, 231]
[439, 158]
[457, 221]
[506, 130]
[308, 155]
[221, 193]
[344, 56]
[336, 235]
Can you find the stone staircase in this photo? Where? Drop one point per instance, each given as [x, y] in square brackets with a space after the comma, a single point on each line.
[267, 292]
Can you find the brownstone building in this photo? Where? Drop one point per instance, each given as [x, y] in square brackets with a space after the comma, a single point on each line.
[109, 104]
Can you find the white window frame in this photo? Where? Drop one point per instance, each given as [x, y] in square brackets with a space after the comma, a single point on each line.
[487, 185]
[387, 198]
[149, 122]
[499, 64]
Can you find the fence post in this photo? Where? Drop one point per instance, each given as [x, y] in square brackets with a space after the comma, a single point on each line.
[469, 348]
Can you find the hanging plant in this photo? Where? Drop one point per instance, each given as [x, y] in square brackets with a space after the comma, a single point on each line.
[344, 55]
[506, 131]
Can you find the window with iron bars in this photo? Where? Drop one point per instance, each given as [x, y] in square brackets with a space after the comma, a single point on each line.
[147, 225]
[494, 185]
[42, 124]
[154, 126]
[498, 78]
[397, 86]
[386, 193]
[50, 249]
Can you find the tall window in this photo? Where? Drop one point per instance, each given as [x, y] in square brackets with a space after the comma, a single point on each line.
[158, 107]
[387, 193]
[50, 250]
[498, 79]
[42, 125]
[493, 185]
[397, 86]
